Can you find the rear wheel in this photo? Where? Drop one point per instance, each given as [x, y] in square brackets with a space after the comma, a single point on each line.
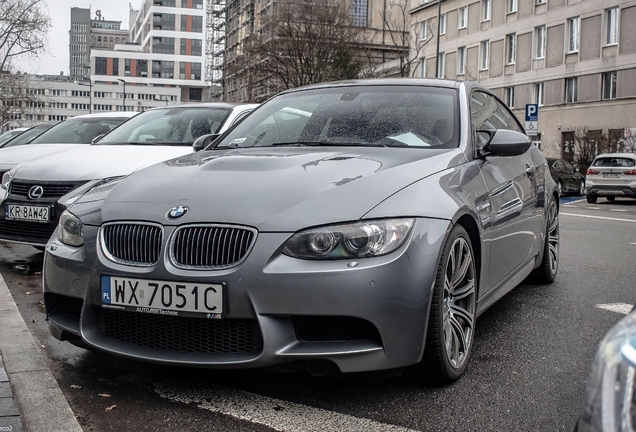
[611, 198]
[581, 188]
[591, 199]
[451, 326]
[547, 271]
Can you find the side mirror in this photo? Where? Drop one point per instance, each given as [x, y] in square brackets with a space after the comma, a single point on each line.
[97, 138]
[504, 142]
[577, 169]
[203, 141]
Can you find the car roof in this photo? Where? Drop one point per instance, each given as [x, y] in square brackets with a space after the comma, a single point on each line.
[106, 115]
[627, 155]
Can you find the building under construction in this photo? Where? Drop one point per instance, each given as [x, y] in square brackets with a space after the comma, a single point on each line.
[380, 37]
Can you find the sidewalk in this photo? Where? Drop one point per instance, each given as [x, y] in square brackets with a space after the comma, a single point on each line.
[30, 398]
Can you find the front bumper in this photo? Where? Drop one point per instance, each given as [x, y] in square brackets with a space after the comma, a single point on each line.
[369, 317]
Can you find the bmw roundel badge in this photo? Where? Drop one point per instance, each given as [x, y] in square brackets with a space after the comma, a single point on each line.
[176, 212]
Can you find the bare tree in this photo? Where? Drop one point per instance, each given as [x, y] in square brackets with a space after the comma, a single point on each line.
[590, 143]
[24, 27]
[304, 42]
[407, 39]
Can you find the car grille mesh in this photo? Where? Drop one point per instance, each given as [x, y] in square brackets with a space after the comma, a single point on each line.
[210, 246]
[26, 231]
[183, 334]
[133, 243]
[51, 189]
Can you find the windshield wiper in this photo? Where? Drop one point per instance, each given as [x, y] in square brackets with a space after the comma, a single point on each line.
[328, 143]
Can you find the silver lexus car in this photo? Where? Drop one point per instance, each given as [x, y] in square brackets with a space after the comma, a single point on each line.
[35, 193]
[351, 226]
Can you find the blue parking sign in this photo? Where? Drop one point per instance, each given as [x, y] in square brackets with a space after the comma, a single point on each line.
[532, 112]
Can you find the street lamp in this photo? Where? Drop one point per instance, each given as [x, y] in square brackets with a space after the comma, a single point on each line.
[90, 93]
[439, 15]
[124, 103]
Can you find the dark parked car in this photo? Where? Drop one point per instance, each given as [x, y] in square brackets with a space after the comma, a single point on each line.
[568, 179]
[361, 225]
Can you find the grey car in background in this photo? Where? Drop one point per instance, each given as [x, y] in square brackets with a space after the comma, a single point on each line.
[352, 226]
[38, 191]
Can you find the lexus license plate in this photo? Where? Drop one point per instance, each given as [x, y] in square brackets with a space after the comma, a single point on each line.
[27, 213]
[163, 297]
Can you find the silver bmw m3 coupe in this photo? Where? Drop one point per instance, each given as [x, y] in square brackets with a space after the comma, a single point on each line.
[351, 226]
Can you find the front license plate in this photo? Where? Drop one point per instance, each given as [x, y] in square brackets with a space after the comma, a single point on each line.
[163, 297]
[27, 213]
[611, 175]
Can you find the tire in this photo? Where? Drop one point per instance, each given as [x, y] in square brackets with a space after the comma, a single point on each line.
[581, 188]
[451, 327]
[611, 198]
[560, 188]
[592, 199]
[547, 271]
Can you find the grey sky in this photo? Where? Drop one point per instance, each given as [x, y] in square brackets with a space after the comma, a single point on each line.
[56, 59]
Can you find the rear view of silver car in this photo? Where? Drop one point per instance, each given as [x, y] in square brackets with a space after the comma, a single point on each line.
[611, 175]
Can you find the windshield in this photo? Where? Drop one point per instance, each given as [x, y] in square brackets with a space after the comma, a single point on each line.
[79, 130]
[391, 116]
[176, 126]
[28, 136]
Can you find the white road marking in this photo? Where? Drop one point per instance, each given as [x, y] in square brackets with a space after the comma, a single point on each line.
[277, 414]
[618, 210]
[621, 308]
[598, 217]
[593, 208]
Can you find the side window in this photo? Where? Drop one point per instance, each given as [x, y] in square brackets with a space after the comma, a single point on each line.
[240, 117]
[568, 167]
[489, 114]
[558, 165]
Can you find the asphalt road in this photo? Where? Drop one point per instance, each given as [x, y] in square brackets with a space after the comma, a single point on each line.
[530, 360]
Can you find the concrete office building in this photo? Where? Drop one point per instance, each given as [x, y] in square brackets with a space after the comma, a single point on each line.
[166, 50]
[53, 98]
[575, 58]
[85, 34]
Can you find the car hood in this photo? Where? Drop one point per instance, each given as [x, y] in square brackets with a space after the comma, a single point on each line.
[274, 189]
[92, 162]
[12, 156]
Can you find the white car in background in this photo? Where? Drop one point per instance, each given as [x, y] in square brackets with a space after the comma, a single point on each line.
[611, 175]
[37, 192]
[76, 131]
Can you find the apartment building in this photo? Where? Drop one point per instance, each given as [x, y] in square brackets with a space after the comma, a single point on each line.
[166, 50]
[379, 24]
[576, 59]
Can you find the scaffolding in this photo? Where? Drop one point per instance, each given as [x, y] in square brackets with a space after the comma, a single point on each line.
[215, 47]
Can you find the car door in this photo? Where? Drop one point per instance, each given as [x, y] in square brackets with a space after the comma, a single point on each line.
[512, 192]
[570, 175]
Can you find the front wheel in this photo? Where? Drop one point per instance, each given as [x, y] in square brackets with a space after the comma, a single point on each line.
[547, 271]
[581, 188]
[592, 199]
[451, 328]
[560, 187]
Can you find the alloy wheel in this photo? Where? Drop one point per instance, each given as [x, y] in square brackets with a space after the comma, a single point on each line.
[459, 303]
[553, 236]
[581, 188]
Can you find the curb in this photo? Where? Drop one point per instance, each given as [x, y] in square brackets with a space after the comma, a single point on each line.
[40, 400]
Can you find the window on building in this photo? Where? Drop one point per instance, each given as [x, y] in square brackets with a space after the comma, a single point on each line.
[461, 60]
[510, 96]
[358, 12]
[463, 17]
[115, 69]
[538, 94]
[609, 85]
[511, 48]
[573, 34]
[539, 39]
[484, 50]
[442, 24]
[142, 68]
[441, 57]
[423, 30]
[100, 65]
[196, 94]
[197, 24]
[571, 90]
[512, 6]
[540, 2]
[126, 67]
[611, 26]
[485, 10]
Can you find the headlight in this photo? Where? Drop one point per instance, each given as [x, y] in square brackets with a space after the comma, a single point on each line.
[357, 240]
[6, 180]
[70, 229]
